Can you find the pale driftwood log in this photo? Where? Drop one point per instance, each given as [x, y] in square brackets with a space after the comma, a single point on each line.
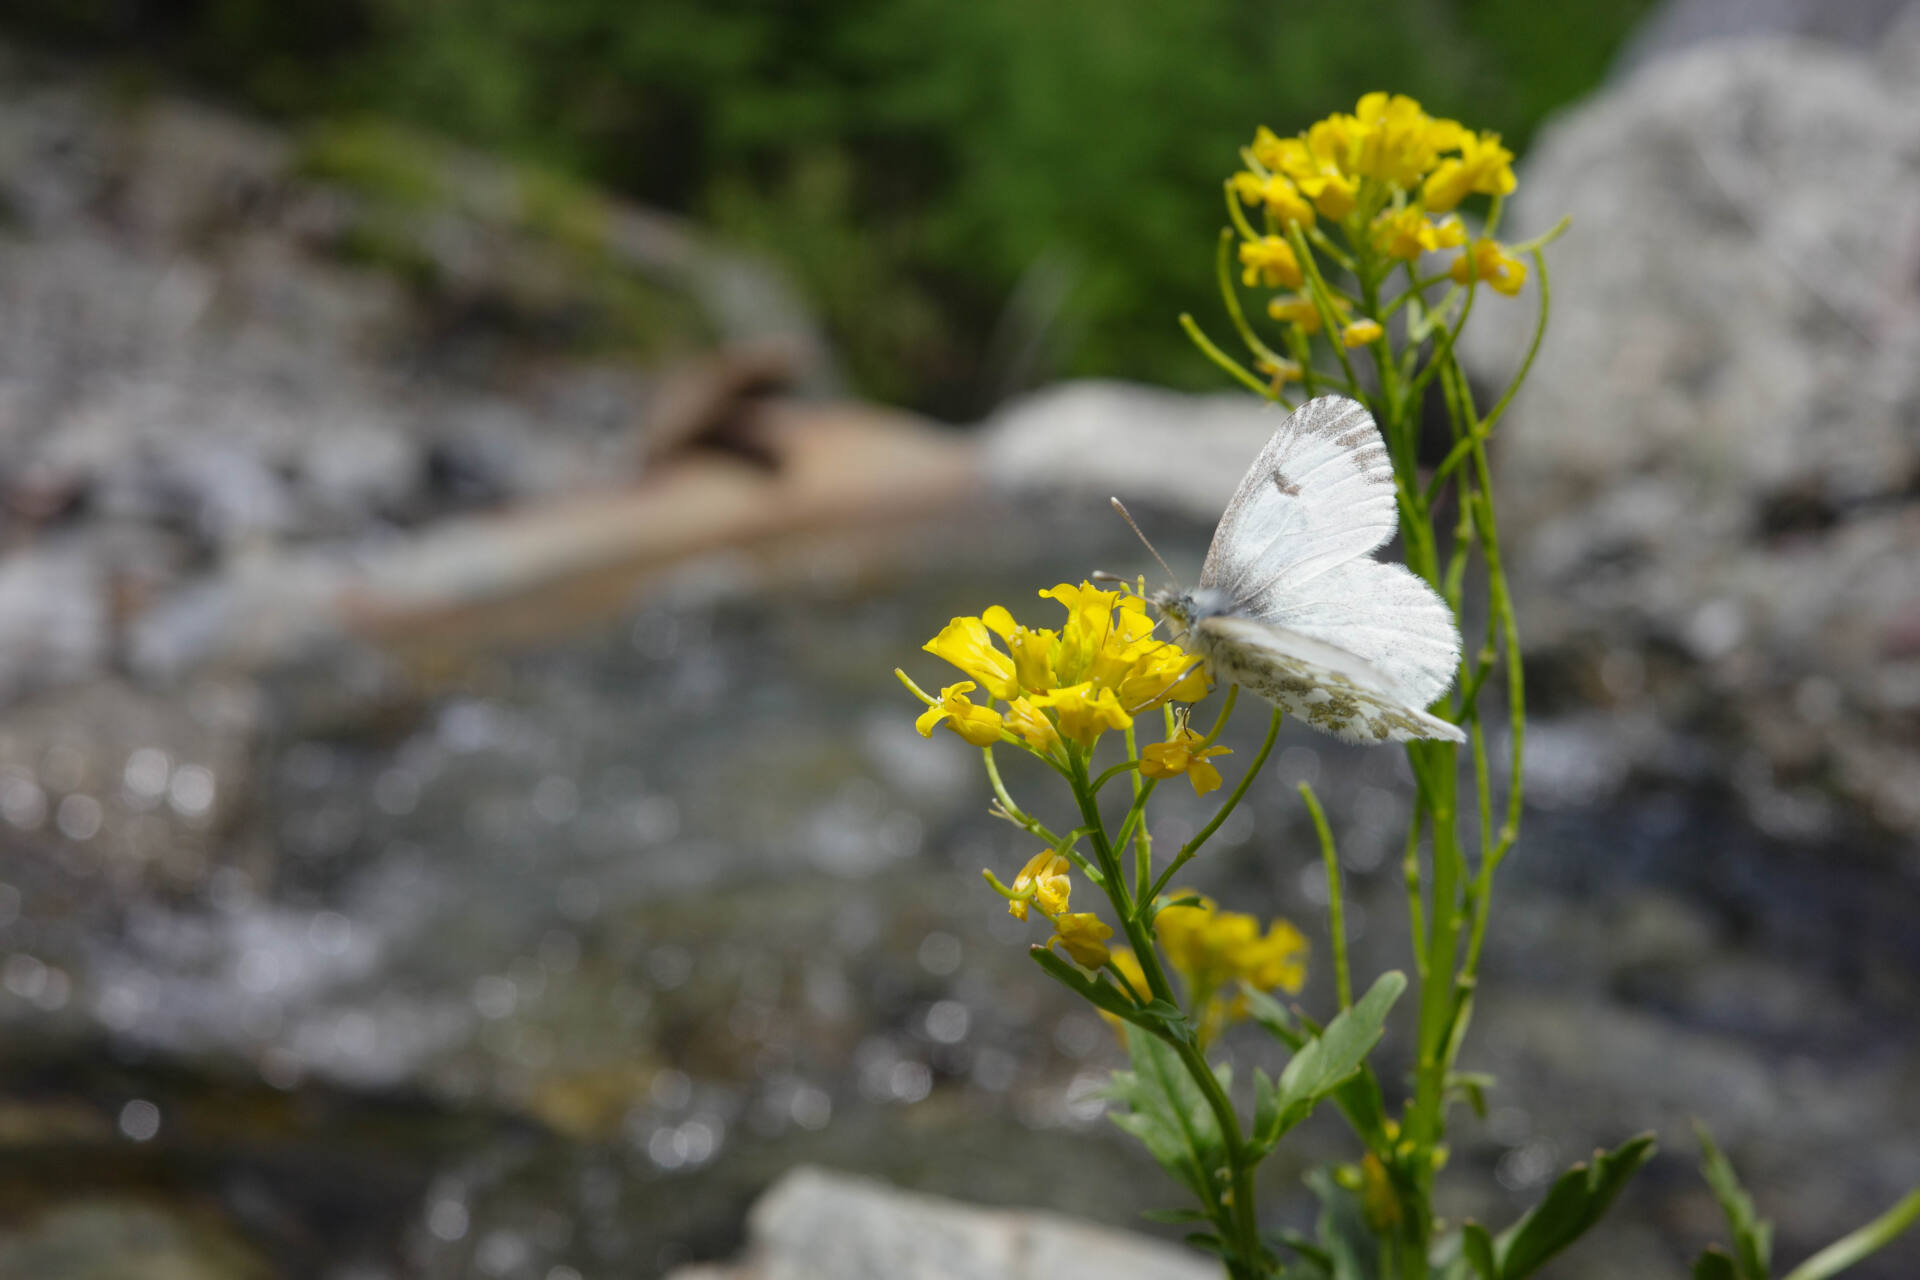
[839, 470]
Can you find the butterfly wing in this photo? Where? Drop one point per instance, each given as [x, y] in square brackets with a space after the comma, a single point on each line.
[1294, 551]
[1330, 688]
[1320, 494]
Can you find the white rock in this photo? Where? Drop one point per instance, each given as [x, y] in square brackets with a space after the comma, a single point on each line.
[817, 1225]
[1143, 444]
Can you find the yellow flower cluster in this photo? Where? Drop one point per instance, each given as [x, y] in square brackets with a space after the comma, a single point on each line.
[1213, 950]
[1391, 176]
[1043, 883]
[1095, 672]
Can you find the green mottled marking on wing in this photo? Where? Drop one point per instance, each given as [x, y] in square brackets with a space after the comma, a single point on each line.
[1331, 690]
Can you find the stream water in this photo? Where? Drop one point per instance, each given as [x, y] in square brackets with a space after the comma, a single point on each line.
[547, 971]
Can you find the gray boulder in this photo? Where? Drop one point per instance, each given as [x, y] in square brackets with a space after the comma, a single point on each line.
[1710, 479]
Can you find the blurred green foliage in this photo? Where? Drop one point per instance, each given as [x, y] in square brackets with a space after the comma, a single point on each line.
[974, 191]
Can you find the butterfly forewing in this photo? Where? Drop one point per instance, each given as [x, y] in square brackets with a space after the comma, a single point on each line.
[1319, 494]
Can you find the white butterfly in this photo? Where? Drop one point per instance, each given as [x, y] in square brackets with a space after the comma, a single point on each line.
[1292, 604]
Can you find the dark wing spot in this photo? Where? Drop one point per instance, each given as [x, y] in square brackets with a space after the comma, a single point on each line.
[1285, 485]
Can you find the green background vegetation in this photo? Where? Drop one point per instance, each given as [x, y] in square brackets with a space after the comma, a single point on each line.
[974, 192]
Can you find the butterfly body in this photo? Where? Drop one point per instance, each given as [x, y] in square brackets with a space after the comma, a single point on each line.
[1293, 606]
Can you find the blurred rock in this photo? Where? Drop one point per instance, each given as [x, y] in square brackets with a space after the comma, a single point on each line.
[220, 343]
[109, 1239]
[54, 626]
[1683, 24]
[816, 1225]
[1713, 475]
[1147, 445]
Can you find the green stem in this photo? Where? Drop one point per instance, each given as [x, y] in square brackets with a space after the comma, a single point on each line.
[1192, 846]
[1855, 1245]
[1226, 362]
[1242, 1223]
[1220, 721]
[1135, 813]
[1224, 269]
[1410, 872]
[1322, 294]
[1336, 913]
[1014, 812]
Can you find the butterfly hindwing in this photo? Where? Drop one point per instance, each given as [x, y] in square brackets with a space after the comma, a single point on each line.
[1329, 687]
[1382, 613]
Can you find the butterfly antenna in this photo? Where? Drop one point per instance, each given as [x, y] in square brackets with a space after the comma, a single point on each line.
[1128, 517]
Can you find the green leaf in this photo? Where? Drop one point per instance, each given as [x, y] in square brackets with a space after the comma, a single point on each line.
[1312, 1256]
[1472, 1085]
[1359, 1098]
[1166, 1111]
[1164, 1017]
[1266, 1111]
[1360, 1101]
[1574, 1203]
[1476, 1245]
[1328, 1060]
[1752, 1234]
[1273, 1017]
[1715, 1264]
[1100, 994]
[1352, 1248]
[1208, 1241]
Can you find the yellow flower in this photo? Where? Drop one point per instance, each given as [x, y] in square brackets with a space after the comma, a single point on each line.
[1085, 712]
[1101, 667]
[1407, 233]
[978, 725]
[1142, 671]
[1043, 882]
[1180, 930]
[1177, 755]
[1360, 333]
[1298, 308]
[1089, 625]
[1269, 260]
[1278, 193]
[1490, 260]
[1319, 162]
[1212, 949]
[1399, 142]
[1032, 650]
[1277, 961]
[1032, 725]
[1084, 937]
[1269, 150]
[1483, 167]
[966, 644]
[1161, 674]
[1279, 372]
